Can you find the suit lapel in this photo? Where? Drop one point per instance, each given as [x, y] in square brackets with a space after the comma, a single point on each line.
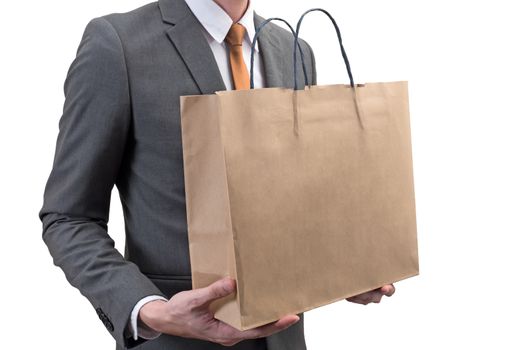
[189, 41]
[270, 47]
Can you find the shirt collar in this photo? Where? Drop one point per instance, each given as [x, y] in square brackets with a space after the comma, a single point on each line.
[217, 22]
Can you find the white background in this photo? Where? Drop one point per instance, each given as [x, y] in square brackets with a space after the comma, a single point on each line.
[464, 61]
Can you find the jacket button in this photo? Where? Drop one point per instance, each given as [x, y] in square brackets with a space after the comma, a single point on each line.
[105, 319]
[109, 325]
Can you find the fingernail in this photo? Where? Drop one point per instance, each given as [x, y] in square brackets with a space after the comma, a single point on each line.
[229, 283]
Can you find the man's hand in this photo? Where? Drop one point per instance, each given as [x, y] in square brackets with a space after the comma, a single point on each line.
[373, 296]
[187, 314]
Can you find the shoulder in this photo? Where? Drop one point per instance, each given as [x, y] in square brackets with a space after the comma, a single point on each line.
[286, 40]
[101, 53]
[285, 36]
[135, 18]
[125, 26]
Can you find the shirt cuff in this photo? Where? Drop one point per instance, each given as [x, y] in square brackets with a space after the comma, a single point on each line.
[141, 330]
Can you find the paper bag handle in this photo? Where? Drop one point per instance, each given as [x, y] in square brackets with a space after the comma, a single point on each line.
[343, 52]
[256, 36]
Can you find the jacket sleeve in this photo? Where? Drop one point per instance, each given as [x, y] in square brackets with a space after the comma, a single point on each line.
[93, 130]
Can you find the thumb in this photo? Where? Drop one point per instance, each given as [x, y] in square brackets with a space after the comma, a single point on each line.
[219, 289]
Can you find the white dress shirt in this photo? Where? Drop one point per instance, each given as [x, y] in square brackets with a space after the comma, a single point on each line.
[216, 23]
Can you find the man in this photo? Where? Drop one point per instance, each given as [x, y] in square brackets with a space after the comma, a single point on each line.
[121, 125]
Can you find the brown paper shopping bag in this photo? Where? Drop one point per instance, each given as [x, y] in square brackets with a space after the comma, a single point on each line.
[305, 203]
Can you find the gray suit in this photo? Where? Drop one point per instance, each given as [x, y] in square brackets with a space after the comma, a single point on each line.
[121, 125]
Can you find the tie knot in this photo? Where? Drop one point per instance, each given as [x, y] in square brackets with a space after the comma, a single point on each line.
[235, 34]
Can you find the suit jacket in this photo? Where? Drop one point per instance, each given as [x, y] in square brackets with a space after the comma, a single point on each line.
[121, 126]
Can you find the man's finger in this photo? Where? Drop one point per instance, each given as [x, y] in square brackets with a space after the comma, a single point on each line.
[388, 290]
[376, 296]
[357, 299]
[368, 297]
[216, 290]
[271, 328]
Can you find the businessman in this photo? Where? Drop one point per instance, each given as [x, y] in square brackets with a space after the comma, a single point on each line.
[121, 126]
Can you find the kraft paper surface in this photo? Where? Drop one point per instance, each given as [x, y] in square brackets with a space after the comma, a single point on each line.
[304, 197]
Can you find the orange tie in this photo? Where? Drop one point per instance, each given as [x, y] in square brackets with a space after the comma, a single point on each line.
[234, 38]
